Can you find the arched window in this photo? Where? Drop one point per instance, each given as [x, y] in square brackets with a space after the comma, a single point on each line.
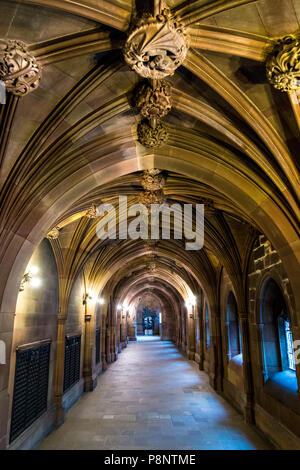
[207, 334]
[278, 353]
[234, 331]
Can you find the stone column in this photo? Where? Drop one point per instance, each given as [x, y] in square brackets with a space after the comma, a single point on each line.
[183, 328]
[59, 370]
[216, 358]
[108, 333]
[107, 344]
[103, 340]
[113, 336]
[197, 334]
[259, 331]
[191, 344]
[227, 342]
[123, 339]
[247, 370]
[89, 382]
[200, 307]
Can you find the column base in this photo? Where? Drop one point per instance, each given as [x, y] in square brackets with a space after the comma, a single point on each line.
[90, 383]
[60, 414]
[191, 355]
[248, 413]
[114, 357]
[108, 358]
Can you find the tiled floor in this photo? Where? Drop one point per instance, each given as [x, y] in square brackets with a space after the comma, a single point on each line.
[153, 398]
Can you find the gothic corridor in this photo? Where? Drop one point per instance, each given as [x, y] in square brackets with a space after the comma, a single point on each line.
[165, 402]
[149, 189]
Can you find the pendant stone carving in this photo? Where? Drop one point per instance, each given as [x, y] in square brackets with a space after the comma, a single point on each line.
[283, 67]
[152, 137]
[157, 46]
[19, 70]
[154, 101]
[153, 180]
[152, 197]
[91, 213]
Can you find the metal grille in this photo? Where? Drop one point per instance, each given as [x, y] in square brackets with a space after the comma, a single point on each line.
[31, 387]
[98, 345]
[72, 361]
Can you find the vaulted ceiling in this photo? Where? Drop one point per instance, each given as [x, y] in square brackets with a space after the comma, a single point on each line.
[73, 142]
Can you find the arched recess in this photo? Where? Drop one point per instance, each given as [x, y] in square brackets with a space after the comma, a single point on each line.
[278, 353]
[233, 327]
[33, 348]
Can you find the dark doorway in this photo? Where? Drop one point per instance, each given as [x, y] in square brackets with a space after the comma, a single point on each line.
[150, 322]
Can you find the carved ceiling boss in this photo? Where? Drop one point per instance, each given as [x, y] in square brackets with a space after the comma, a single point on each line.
[19, 70]
[156, 47]
[283, 66]
[153, 180]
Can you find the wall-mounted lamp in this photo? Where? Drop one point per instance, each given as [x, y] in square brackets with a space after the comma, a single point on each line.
[119, 307]
[101, 301]
[30, 278]
[191, 302]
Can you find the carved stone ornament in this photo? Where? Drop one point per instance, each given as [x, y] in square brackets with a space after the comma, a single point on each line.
[91, 213]
[283, 67]
[18, 68]
[153, 180]
[53, 234]
[151, 267]
[151, 197]
[156, 47]
[152, 137]
[154, 102]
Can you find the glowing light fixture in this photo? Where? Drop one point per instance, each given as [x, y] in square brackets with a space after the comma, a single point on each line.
[30, 278]
[33, 270]
[35, 282]
[192, 300]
